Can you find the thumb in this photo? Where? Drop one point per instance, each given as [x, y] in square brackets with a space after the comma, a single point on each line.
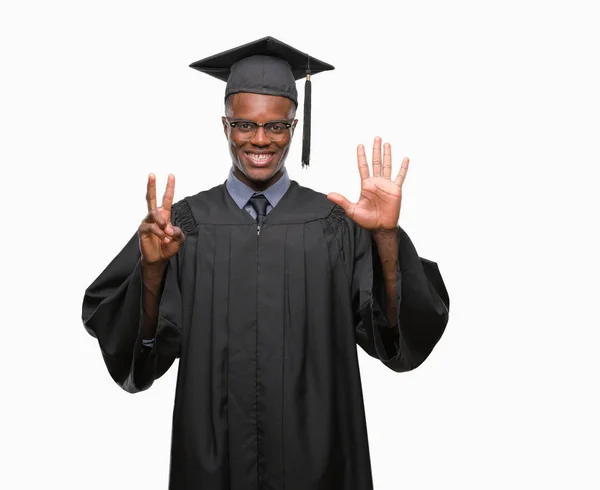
[340, 201]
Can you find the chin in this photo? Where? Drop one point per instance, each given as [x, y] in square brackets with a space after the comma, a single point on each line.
[260, 174]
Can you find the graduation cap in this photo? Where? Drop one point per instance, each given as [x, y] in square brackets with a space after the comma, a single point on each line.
[267, 66]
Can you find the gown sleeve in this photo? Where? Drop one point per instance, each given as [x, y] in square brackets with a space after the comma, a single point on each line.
[112, 312]
[422, 304]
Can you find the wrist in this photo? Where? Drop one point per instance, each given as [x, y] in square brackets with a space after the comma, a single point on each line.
[385, 233]
[151, 267]
[153, 273]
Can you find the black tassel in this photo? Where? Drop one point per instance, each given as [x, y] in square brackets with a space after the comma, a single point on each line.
[306, 130]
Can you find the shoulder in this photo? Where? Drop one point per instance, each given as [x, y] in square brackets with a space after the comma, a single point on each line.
[335, 218]
[302, 205]
[205, 199]
[209, 206]
[314, 201]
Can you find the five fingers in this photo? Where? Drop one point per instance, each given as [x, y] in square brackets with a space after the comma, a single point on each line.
[381, 167]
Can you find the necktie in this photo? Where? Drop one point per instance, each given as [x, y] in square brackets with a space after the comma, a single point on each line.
[259, 203]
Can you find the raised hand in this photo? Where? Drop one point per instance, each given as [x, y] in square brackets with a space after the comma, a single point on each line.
[378, 207]
[159, 238]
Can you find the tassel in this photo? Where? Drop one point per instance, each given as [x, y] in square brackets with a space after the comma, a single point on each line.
[306, 129]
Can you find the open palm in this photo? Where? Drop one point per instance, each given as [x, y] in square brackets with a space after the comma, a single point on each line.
[378, 207]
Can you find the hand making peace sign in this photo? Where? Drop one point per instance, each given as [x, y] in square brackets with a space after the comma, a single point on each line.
[159, 238]
[378, 207]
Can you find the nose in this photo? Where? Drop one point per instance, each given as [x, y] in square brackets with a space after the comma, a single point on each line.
[260, 137]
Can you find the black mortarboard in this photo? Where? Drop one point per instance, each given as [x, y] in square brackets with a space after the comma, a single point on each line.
[269, 67]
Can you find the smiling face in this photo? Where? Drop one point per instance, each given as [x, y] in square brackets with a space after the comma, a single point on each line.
[258, 162]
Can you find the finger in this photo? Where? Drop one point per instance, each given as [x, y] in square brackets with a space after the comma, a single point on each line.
[387, 161]
[177, 235]
[363, 166]
[152, 229]
[154, 216]
[341, 201]
[402, 172]
[167, 201]
[377, 157]
[151, 192]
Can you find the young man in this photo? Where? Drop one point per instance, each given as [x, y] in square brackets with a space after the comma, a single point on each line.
[262, 289]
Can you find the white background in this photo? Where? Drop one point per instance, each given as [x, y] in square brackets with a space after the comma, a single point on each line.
[496, 103]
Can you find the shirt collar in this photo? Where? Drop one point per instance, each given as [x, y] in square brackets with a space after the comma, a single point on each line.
[241, 193]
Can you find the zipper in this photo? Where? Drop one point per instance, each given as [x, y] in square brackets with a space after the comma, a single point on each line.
[258, 474]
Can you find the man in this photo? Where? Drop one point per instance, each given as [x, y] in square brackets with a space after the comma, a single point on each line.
[262, 289]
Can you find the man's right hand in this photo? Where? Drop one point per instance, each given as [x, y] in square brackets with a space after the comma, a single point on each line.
[159, 238]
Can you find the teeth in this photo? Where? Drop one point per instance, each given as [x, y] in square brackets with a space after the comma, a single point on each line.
[259, 157]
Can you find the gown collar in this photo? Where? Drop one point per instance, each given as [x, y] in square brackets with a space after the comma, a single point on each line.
[241, 193]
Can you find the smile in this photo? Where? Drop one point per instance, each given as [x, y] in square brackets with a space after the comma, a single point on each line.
[260, 159]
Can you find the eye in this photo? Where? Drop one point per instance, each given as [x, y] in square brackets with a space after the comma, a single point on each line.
[277, 127]
[245, 126]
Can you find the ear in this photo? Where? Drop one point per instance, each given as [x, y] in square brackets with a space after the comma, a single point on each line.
[294, 126]
[224, 121]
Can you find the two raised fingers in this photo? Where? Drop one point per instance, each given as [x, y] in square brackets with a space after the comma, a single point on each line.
[167, 201]
[157, 221]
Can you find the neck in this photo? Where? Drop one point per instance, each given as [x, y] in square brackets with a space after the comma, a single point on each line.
[258, 186]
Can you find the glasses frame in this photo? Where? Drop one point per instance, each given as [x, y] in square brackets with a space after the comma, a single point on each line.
[288, 125]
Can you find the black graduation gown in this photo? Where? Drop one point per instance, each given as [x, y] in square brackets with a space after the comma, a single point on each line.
[265, 327]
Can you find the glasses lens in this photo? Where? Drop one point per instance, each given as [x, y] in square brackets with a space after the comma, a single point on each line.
[245, 130]
[275, 130]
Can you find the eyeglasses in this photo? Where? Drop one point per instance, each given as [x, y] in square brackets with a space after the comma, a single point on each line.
[246, 130]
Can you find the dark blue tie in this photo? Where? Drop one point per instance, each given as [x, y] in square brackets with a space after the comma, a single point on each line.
[259, 203]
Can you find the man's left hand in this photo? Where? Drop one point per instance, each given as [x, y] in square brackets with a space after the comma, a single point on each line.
[378, 208]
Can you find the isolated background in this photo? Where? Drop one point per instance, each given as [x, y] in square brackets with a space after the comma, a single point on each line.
[496, 104]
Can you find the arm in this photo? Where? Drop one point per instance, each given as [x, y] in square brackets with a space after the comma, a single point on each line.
[402, 306]
[153, 279]
[403, 329]
[137, 298]
[387, 249]
[114, 313]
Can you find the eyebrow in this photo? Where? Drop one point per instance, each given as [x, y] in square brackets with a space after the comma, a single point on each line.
[271, 121]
